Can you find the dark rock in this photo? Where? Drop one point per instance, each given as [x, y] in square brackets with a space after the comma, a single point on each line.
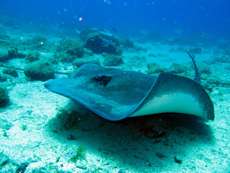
[5, 125]
[81, 166]
[121, 171]
[12, 53]
[2, 78]
[39, 70]
[70, 137]
[159, 154]
[4, 55]
[22, 167]
[94, 42]
[21, 54]
[4, 98]
[3, 159]
[178, 159]
[9, 71]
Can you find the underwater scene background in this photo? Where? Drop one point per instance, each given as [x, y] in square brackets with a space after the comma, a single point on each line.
[41, 131]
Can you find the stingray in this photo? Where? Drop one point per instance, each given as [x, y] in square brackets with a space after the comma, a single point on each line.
[115, 94]
[105, 34]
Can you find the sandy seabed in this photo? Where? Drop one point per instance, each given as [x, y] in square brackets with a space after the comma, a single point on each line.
[46, 129]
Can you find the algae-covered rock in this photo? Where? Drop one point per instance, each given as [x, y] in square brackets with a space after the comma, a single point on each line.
[4, 98]
[65, 44]
[88, 52]
[37, 42]
[4, 55]
[70, 47]
[68, 50]
[112, 60]
[76, 50]
[39, 70]
[12, 53]
[155, 68]
[21, 54]
[11, 72]
[177, 68]
[5, 125]
[32, 56]
[2, 78]
[80, 61]
[65, 57]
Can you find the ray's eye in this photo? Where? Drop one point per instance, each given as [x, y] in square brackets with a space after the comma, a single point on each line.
[102, 80]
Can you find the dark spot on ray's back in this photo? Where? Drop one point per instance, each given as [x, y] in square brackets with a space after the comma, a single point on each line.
[102, 80]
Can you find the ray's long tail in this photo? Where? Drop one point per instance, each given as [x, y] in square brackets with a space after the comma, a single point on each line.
[197, 75]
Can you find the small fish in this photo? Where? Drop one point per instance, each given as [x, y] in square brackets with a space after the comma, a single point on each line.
[115, 30]
[77, 31]
[178, 30]
[222, 40]
[106, 43]
[201, 33]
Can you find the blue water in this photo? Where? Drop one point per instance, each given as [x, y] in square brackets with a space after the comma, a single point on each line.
[129, 17]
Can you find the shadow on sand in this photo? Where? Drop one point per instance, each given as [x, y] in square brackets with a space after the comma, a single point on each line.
[136, 142]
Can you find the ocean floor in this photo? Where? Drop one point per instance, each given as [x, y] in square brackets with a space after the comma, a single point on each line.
[44, 132]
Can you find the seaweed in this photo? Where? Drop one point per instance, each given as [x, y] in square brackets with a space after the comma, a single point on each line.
[32, 56]
[4, 98]
[70, 47]
[80, 154]
[37, 42]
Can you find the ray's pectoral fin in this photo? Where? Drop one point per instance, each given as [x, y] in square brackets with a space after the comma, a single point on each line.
[172, 93]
